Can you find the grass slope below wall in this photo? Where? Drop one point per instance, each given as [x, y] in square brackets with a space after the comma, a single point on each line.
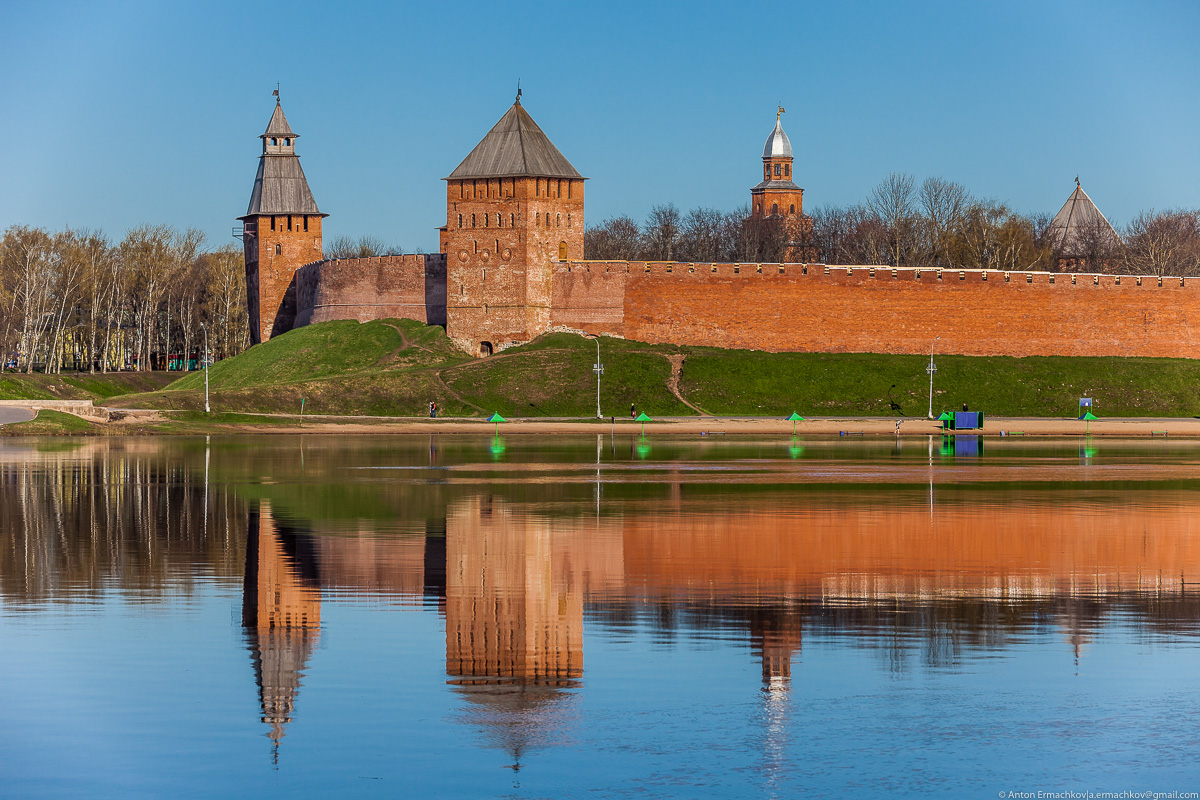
[395, 367]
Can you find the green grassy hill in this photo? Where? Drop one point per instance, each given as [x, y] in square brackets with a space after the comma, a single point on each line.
[395, 367]
[80, 386]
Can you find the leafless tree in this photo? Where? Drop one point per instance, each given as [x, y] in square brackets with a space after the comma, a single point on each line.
[615, 239]
[362, 247]
[1163, 243]
[893, 202]
[942, 204]
[662, 232]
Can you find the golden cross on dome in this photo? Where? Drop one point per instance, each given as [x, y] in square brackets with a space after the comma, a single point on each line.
[781, 110]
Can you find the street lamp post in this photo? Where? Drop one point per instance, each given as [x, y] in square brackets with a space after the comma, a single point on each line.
[207, 409]
[931, 369]
[598, 368]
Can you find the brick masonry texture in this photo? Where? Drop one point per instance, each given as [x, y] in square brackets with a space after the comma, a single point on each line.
[814, 308]
[270, 275]
[407, 286]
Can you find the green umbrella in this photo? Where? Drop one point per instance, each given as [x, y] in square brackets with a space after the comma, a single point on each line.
[794, 418]
[642, 418]
[945, 417]
[1087, 418]
[496, 418]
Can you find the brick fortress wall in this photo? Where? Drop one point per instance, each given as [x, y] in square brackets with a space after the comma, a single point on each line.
[407, 286]
[814, 308]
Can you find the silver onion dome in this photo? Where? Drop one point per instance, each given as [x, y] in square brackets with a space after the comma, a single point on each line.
[777, 145]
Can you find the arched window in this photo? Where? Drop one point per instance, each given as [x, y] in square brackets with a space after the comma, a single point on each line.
[793, 210]
[558, 220]
[774, 209]
[287, 142]
[537, 219]
[499, 220]
[274, 142]
[547, 219]
[562, 251]
[278, 249]
[485, 349]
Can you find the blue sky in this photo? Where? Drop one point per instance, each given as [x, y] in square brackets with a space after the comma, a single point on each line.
[115, 114]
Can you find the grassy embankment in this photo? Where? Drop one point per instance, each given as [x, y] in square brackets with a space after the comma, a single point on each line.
[81, 386]
[394, 368]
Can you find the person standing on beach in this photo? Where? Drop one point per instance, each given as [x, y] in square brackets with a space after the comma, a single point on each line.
[632, 411]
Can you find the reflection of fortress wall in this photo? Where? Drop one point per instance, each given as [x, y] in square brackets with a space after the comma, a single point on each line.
[369, 564]
[282, 610]
[988, 551]
[513, 607]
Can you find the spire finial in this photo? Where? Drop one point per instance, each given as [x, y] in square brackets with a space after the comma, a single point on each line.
[781, 110]
[276, 93]
[518, 91]
[1076, 181]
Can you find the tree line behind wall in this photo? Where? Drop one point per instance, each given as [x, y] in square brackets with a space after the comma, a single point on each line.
[936, 223]
[76, 300]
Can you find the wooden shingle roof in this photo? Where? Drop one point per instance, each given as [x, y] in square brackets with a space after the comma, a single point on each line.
[515, 146]
[1078, 222]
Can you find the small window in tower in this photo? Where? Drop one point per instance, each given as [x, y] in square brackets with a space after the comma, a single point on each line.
[278, 249]
[568, 220]
[537, 219]
[460, 220]
[486, 219]
[547, 219]
[562, 251]
[777, 171]
[472, 220]
[289, 222]
[558, 220]
[287, 142]
[512, 220]
[272, 223]
[306, 223]
[774, 209]
[274, 142]
[793, 209]
[787, 170]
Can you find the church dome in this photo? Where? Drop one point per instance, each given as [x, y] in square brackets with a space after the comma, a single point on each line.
[777, 145]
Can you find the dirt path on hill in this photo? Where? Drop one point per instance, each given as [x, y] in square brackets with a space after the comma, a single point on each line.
[677, 360]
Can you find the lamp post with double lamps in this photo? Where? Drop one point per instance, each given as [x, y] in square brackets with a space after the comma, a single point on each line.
[932, 368]
[598, 368]
[207, 409]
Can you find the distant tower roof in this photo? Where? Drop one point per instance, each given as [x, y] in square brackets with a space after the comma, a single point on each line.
[514, 147]
[1078, 221]
[778, 145]
[280, 186]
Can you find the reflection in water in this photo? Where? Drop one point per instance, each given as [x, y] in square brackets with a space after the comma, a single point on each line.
[517, 558]
[281, 610]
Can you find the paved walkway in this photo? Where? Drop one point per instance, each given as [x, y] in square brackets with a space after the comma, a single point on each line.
[15, 414]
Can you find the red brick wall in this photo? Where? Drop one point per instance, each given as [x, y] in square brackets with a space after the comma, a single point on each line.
[841, 309]
[407, 286]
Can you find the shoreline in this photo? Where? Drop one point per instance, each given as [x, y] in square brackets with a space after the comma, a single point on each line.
[160, 423]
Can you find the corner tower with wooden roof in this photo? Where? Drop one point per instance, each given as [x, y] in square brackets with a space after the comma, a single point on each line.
[1081, 235]
[514, 206]
[281, 231]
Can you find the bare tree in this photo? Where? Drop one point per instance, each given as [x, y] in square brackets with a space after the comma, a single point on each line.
[662, 232]
[615, 239]
[362, 247]
[893, 201]
[942, 204]
[1163, 243]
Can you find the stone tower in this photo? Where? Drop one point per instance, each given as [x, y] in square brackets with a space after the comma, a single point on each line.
[777, 199]
[281, 232]
[514, 206]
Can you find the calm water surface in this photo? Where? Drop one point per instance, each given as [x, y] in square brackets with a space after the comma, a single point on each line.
[415, 616]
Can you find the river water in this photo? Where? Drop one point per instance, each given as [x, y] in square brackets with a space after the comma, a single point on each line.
[588, 616]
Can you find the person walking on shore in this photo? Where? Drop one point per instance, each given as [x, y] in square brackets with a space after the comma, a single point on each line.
[632, 411]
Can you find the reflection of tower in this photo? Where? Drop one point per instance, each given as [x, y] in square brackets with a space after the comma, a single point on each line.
[281, 610]
[774, 637]
[514, 622]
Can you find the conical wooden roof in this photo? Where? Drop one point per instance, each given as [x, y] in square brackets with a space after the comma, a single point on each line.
[280, 186]
[1078, 222]
[515, 146]
[278, 126]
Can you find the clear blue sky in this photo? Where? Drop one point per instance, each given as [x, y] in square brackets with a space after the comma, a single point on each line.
[114, 114]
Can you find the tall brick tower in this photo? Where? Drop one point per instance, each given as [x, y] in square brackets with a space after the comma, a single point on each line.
[514, 206]
[778, 199]
[281, 232]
